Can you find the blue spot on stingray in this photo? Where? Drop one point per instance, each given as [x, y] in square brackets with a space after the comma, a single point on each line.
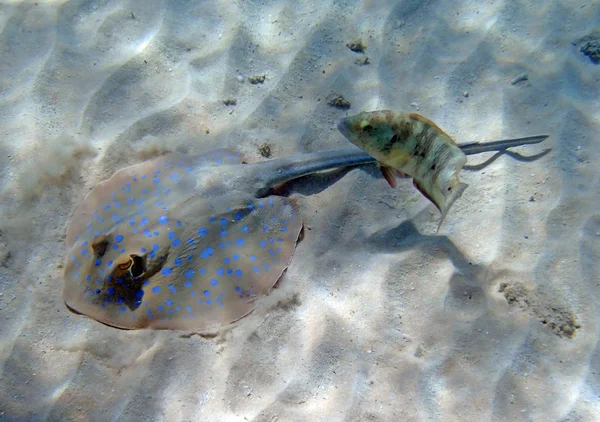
[155, 233]
[250, 207]
[163, 219]
[144, 221]
[263, 243]
[252, 258]
[107, 207]
[245, 229]
[88, 278]
[261, 205]
[240, 242]
[84, 243]
[109, 263]
[166, 271]
[111, 291]
[120, 300]
[177, 260]
[237, 289]
[177, 309]
[226, 261]
[211, 219]
[271, 202]
[156, 289]
[187, 284]
[265, 228]
[160, 308]
[202, 271]
[139, 294]
[119, 238]
[223, 222]
[208, 302]
[84, 251]
[284, 229]
[238, 273]
[171, 236]
[189, 273]
[202, 231]
[222, 245]
[155, 247]
[223, 233]
[206, 293]
[114, 216]
[147, 233]
[190, 241]
[192, 294]
[168, 302]
[220, 271]
[156, 171]
[256, 270]
[188, 308]
[214, 282]
[266, 267]
[207, 253]
[229, 271]
[235, 257]
[98, 262]
[152, 254]
[176, 242]
[178, 224]
[172, 288]
[238, 216]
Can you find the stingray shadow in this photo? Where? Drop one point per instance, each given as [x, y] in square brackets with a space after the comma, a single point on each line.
[515, 155]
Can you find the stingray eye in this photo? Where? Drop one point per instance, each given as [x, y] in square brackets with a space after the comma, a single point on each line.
[100, 247]
[125, 266]
[139, 265]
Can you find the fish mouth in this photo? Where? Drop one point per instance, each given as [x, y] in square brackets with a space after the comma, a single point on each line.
[344, 127]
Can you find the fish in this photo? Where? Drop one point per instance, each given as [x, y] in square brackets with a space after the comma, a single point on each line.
[191, 242]
[410, 145]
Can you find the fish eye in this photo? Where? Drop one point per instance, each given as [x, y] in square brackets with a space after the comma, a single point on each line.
[138, 265]
[367, 128]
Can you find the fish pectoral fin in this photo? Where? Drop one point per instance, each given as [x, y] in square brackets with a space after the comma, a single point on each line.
[420, 187]
[389, 175]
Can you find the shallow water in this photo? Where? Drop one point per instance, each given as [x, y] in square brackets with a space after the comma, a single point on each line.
[378, 316]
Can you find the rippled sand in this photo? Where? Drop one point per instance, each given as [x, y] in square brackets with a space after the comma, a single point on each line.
[379, 318]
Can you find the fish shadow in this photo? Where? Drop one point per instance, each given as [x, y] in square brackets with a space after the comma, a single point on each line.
[407, 237]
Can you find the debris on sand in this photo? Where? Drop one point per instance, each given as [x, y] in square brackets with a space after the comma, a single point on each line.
[338, 101]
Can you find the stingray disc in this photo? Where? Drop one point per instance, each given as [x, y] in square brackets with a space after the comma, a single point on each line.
[150, 249]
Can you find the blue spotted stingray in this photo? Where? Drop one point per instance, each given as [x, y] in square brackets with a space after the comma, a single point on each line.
[188, 243]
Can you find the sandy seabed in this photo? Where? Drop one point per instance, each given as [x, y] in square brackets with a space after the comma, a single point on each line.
[378, 318]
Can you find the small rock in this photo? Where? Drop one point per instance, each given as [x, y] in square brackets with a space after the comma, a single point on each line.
[230, 101]
[357, 46]
[592, 49]
[255, 80]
